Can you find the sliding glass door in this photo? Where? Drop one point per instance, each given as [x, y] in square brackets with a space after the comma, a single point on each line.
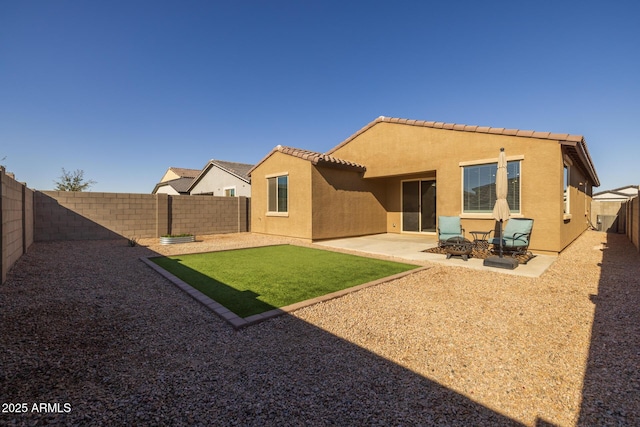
[419, 206]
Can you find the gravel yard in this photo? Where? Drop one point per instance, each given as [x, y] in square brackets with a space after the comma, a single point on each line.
[89, 325]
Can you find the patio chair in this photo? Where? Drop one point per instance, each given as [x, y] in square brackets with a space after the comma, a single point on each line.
[448, 227]
[515, 237]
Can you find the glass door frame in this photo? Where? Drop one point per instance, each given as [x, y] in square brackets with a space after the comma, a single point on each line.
[420, 182]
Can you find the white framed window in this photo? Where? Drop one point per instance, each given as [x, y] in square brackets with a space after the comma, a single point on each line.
[479, 189]
[278, 194]
[230, 191]
[566, 194]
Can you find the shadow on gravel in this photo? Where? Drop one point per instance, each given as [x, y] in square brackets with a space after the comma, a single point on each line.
[611, 390]
[243, 303]
[123, 346]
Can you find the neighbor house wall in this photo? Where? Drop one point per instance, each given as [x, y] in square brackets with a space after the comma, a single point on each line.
[62, 215]
[215, 180]
[392, 151]
[297, 221]
[167, 189]
[16, 221]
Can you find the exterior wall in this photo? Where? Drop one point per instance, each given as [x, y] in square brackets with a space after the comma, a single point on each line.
[169, 175]
[167, 189]
[16, 222]
[393, 151]
[393, 199]
[64, 215]
[577, 221]
[215, 180]
[344, 204]
[297, 222]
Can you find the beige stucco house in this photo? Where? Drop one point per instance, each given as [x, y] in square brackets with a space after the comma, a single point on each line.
[222, 178]
[216, 178]
[175, 181]
[397, 176]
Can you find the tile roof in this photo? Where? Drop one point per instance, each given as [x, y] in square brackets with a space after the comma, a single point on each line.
[576, 143]
[185, 173]
[239, 169]
[318, 159]
[463, 128]
[181, 185]
[622, 191]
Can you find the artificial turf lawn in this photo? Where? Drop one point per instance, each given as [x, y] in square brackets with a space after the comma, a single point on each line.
[252, 281]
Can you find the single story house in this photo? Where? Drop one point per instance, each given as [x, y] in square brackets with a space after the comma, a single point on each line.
[222, 178]
[398, 175]
[175, 181]
[216, 178]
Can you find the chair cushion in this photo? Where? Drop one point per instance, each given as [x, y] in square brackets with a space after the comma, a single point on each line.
[518, 227]
[511, 242]
[445, 236]
[449, 225]
[516, 233]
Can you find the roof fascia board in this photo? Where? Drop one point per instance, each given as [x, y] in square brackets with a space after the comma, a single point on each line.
[585, 158]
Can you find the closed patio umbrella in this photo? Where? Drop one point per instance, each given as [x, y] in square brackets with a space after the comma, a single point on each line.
[501, 213]
[501, 210]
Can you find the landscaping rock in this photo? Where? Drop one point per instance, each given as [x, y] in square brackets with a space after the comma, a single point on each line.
[89, 325]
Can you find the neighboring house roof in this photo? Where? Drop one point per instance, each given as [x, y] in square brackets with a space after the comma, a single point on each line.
[185, 173]
[174, 173]
[239, 170]
[318, 159]
[181, 185]
[622, 193]
[575, 144]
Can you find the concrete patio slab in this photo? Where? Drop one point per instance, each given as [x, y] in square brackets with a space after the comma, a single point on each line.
[410, 247]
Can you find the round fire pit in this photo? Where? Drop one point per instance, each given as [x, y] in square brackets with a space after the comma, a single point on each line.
[458, 246]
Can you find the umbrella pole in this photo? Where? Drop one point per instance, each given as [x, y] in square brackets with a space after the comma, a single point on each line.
[501, 256]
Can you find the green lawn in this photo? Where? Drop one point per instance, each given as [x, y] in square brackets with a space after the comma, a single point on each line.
[252, 281]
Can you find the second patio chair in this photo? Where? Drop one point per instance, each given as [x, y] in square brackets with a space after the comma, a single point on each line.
[516, 236]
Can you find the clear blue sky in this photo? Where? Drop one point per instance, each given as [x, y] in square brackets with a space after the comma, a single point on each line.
[125, 89]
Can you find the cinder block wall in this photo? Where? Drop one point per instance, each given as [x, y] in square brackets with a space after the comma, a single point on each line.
[609, 208]
[62, 215]
[632, 208]
[71, 215]
[208, 214]
[16, 221]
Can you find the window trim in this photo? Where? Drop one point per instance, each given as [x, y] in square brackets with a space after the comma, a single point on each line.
[276, 176]
[233, 187]
[566, 191]
[488, 215]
